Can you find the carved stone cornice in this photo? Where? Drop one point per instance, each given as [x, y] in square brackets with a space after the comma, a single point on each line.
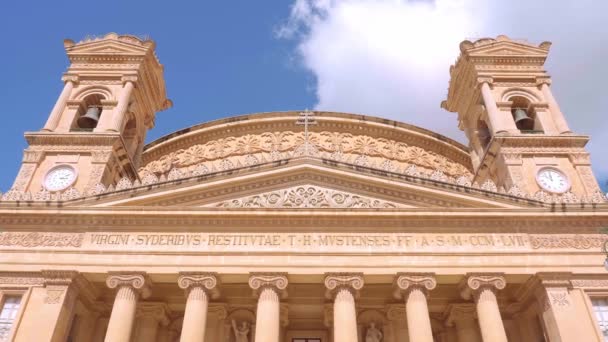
[207, 281]
[405, 282]
[460, 312]
[554, 279]
[475, 282]
[335, 281]
[592, 282]
[137, 280]
[156, 310]
[276, 281]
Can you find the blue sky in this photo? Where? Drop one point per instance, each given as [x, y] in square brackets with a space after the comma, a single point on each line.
[224, 58]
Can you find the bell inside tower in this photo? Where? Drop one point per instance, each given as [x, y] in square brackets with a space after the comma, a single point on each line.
[89, 114]
[523, 115]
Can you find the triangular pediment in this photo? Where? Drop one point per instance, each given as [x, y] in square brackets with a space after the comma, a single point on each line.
[504, 46]
[303, 184]
[110, 44]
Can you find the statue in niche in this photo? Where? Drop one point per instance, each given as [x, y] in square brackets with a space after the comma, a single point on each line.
[373, 334]
[240, 332]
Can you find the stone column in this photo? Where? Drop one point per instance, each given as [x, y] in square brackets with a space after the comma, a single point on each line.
[483, 288]
[130, 286]
[414, 287]
[344, 288]
[123, 104]
[269, 288]
[199, 287]
[462, 317]
[55, 116]
[556, 113]
[494, 115]
[150, 316]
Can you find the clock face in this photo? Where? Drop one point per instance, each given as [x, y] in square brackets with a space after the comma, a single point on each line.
[59, 178]
[553, 180]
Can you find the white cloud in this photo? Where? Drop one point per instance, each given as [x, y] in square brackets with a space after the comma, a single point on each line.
[390, 58]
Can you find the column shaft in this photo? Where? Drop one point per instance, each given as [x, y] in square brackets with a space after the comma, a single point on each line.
[492, 109]
[345, 316]
[195, 316]
[121, 107]
[490, 321]
[418, 319]
[268, 316]
[556, 113]
[123, 315]
[53, 120]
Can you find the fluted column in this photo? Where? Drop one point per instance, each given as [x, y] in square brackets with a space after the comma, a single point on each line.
[462, 318]
[483, 288]
[130, 286]
[55, 116]
[343, 288]
[556, 113]
[199, 287]
[269, 288]
[123, 104]
[414, 288]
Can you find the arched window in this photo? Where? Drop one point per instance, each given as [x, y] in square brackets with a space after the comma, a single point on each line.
[89, 113]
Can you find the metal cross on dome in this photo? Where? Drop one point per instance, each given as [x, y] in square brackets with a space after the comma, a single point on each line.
[306, 118]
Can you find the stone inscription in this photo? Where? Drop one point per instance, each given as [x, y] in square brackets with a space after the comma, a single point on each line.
[303, 242]
[294, 242]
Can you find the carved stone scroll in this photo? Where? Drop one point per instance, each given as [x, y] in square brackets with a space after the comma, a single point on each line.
[334, 281]
[405, 282]
[136, 280]
[207, 281]
[477, 282]
[277, 281]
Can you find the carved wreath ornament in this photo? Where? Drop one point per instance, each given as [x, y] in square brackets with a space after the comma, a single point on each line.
[251, 149]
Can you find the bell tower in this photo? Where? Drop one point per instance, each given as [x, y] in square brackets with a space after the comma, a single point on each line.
[518, 136]
[95, 133]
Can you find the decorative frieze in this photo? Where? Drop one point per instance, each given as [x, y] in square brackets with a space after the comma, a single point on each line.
[36, 239]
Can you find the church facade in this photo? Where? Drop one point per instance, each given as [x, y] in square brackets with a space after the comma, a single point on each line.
[304, 226]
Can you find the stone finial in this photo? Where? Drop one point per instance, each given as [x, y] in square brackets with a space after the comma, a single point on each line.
[335, 281]
[277, 281]
[477, 282]
[207, 281]
[405, 282]
[137, 280]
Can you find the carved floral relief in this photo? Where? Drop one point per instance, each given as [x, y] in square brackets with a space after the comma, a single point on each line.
[252, 149]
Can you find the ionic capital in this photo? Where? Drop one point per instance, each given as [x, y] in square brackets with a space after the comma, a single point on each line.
[406, 282]
[336, 281]
[129, 78]
[276, 281]
[487, 79]
[460, 312]
[70, 78]
[206, 281]
[158, 311]
[483, 281]
[136, 280]
[540, 80]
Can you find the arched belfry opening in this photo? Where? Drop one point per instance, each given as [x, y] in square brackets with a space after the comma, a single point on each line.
[89, 113]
